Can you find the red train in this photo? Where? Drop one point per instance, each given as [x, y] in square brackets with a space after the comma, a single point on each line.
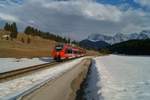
[64, 51]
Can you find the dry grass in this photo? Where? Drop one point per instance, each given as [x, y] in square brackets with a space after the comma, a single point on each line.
[37, 48]
[19, 53]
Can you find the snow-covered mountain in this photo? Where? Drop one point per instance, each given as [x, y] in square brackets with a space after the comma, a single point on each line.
[146, 32]
[119, 37]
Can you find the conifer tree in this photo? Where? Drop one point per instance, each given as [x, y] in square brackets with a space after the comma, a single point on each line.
[13, 30]
[7, 27]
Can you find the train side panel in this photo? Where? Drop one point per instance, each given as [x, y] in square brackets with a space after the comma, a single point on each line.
[61, 52]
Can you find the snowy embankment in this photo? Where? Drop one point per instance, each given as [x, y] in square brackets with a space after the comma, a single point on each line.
[8, 64]
[119, 78]
[15, 88]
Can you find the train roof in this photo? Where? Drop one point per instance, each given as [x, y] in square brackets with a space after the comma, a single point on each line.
[70, 46]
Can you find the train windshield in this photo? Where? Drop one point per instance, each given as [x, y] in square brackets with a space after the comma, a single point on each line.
[59, 47]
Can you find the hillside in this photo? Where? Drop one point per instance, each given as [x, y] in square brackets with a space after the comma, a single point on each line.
[132, 47]
[16, 48]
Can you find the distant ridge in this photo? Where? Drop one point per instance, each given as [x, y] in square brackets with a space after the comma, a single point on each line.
[120, 37]
[89, 44]
[100, 41]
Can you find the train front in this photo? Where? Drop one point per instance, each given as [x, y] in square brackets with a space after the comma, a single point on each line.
[58, 52]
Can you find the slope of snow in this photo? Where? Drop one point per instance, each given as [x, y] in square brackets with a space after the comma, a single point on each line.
[8, 64]
[119, 78]
[147, 32]
[119, 37]
[15, 88]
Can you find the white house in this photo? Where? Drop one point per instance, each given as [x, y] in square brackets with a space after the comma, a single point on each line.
[5, 37]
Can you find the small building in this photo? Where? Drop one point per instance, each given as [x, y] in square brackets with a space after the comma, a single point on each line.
[6, 37]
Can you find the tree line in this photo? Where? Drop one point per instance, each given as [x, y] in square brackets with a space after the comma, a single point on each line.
[47, 35]
[29, 30]
[12, 28]
[132, 47]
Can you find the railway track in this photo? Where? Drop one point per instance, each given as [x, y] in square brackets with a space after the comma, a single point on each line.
[14, 73]
[5, 76]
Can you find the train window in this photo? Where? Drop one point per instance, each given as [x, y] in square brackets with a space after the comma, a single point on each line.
[69, 51]
[59, 47]
[75, 52]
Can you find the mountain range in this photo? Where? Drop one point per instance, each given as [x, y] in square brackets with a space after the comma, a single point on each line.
[119, 37]
[99, 41]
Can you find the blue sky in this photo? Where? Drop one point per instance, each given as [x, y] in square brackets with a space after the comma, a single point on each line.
[78, 18]
[130, 3]
[114, 2]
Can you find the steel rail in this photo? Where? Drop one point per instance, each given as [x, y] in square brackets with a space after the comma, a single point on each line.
[9, 75]
[16, 72]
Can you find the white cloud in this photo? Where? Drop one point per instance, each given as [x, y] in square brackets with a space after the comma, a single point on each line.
[143, 2]
[87, 9]
[76, 18]
[135, 20]
[102, 12]
[8, 17]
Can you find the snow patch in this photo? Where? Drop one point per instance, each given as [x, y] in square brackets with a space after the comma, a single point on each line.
[116, 77]
[14, 88]
[8, 64]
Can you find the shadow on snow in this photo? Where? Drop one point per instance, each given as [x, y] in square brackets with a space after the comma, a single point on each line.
[46, 59]
[93, 87]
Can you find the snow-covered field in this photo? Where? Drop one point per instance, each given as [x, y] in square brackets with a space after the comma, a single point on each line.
[119, 78]
[14, 88]
[8, 64]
